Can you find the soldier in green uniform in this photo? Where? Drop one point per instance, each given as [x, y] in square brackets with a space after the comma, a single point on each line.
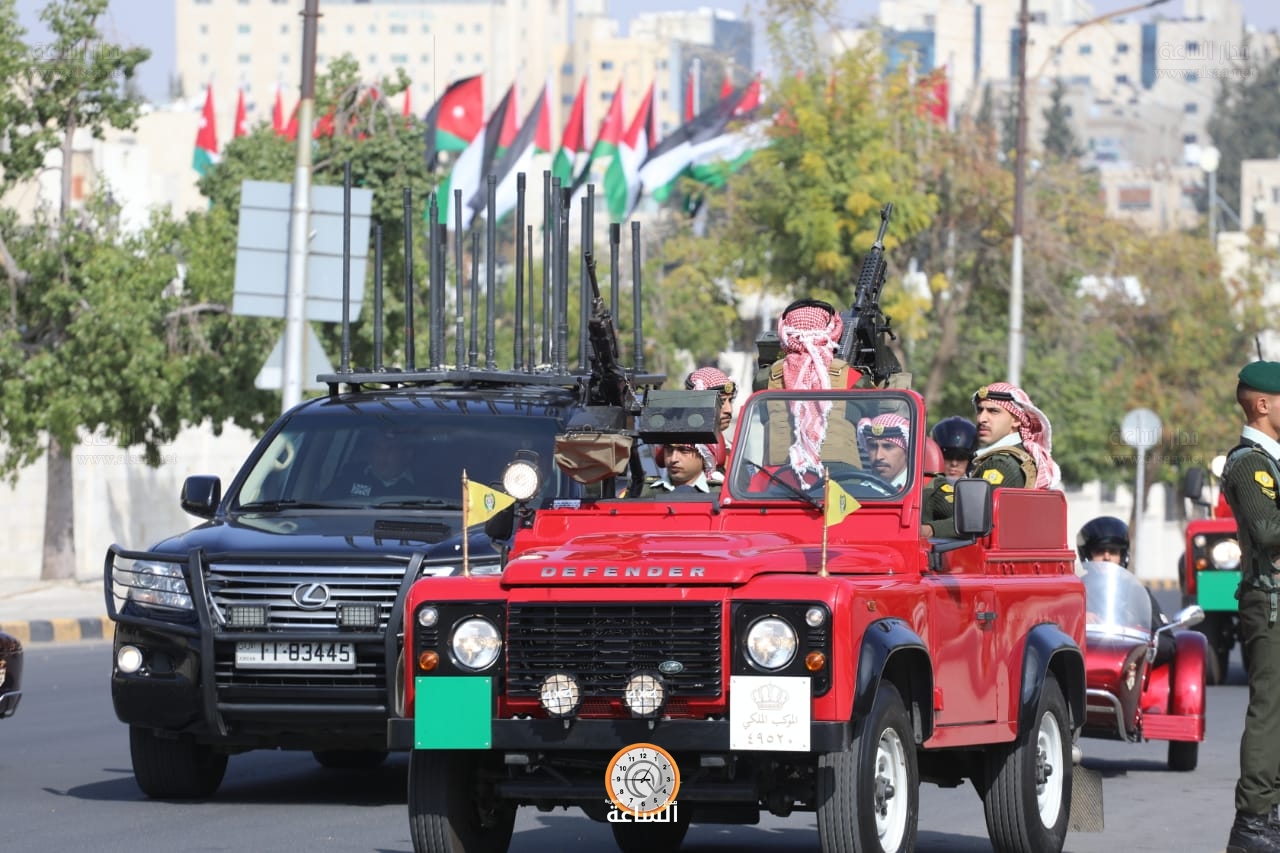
[957, 438]
[1015, 442]
[1249, 483]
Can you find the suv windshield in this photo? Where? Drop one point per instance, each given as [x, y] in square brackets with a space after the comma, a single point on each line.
[381, 459]
[866, 441]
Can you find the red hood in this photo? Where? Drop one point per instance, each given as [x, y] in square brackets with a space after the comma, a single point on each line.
[725, 559]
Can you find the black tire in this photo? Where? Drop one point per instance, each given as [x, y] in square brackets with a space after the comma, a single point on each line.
[651, 837]
[1183, 755]
[174, 768]
[449, 812]
[350, 759]
[1028, 784]
[862, 804]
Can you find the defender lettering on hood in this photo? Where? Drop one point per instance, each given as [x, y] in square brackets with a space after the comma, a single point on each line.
[623, 571]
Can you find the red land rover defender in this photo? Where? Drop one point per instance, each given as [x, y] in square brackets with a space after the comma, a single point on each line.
[759, 648]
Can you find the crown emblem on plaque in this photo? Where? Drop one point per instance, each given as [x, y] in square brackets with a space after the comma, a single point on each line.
[769, 697]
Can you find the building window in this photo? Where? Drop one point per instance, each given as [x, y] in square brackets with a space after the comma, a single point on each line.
[351, 29]
[1122, 47]
[1190, 107]
[478, 28]
[373, 29]
[478, 57]
[1122, 78]
[567, 69]
[606, 96]
[204, 29]
[284, 29]
[399, 30]
[426, 28]
[1188, 139]
[1134, 198]
[460, 29]
[243, 29]
[399, 59]
[459, 58]
[373, 59]
[425, 58]
[606, 65]
[1192, 77]
[1275, 195]
[244, 59]
[204, 59]
[1086, 50]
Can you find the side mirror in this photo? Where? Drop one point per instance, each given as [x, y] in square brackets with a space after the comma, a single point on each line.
[1185, 618]
[973, 507]
[201, 495]
[1193, 484]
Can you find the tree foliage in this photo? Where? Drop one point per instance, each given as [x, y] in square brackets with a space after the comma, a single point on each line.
[1059, 140]
[1245, 125]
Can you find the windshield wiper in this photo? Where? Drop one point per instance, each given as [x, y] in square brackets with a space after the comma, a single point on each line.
[418, 503]
[804, 496]
[288, 503]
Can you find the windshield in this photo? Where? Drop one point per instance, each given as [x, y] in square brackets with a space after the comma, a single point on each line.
[388, 458]
[866, 441]
[1116, 602]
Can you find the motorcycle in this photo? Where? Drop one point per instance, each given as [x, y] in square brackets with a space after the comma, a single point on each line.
[1131, 695]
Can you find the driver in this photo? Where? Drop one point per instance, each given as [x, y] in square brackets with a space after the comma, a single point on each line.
[1105, 539]
[884, 445]
[386, 473]
[684, 473]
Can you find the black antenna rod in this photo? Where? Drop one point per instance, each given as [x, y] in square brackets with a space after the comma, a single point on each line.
[473, 352]
[345, 366]
[549, 187]
[638, 357]
[532, 337]
[459, 325]
[438, 294]
[410, 362]
[615, 244]
[377, 296]
[584, 286]
[562, 274]
[433, 268]
[490, 270]
[518, 350]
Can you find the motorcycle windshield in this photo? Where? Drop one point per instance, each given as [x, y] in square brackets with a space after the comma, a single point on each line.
[1116, 602]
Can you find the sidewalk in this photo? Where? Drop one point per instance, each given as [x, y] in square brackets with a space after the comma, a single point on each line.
[37, 611]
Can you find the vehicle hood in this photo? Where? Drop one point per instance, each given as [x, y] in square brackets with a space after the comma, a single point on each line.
[689, 558]
[353, 535]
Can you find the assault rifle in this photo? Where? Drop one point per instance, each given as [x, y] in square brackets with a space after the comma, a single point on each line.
[863, 343]
[609, 383]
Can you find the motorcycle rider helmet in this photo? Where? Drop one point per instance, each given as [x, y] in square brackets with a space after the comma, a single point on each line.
[957, 436]
[1103, 530]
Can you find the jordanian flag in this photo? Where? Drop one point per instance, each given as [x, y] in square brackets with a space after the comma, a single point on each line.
[686, 145]
[534, 138]
[608, 139]
[455, 118]
[574, 141]
[472, 165]
[622, 178]
[206, 153]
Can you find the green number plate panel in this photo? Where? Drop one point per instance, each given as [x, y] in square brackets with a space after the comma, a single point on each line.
[1217, 590]
[453, 712]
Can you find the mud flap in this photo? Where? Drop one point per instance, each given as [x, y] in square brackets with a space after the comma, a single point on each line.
[1086, 797]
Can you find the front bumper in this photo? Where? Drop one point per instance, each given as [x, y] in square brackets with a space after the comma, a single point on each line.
[588, 735]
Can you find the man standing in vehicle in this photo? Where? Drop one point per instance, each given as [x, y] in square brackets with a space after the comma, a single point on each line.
[1249, 483]
[714, 379]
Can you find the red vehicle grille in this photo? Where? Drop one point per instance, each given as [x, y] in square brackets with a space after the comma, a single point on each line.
[602, 645]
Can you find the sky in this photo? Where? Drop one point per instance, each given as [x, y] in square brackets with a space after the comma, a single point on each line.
[149, 23]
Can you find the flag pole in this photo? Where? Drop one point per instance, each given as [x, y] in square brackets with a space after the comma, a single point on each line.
[826, 502]
[466, 537]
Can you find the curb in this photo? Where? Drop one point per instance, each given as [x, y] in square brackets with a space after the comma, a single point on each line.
[60, 630]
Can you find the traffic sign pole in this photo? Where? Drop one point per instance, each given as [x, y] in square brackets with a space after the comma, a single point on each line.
[1140, 429]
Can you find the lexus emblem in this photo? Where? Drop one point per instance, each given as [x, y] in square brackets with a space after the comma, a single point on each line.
[311, 596]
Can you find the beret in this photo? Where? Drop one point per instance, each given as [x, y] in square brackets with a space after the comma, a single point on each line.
[1261, 376]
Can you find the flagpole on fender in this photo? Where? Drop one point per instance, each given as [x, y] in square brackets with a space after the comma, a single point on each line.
[826, 501]
[466, 537]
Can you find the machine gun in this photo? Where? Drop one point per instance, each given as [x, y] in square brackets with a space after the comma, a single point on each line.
[609, 383]
[863, 343]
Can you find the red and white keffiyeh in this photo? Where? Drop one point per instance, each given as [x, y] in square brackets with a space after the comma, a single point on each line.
[894, 429]
[808, 335]
[1033, 428]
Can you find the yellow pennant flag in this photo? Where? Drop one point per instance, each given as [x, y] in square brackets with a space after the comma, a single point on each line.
[483, 503]
[838, 503]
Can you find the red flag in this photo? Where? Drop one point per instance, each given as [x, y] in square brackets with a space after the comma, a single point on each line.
[291, 129]
[277, 114]
[690, 95]
[510, 126]
[726, 87]
[240, 130]
[934, 96]
[408, 107]
[750, 100]
[324, 127]
[206, 152]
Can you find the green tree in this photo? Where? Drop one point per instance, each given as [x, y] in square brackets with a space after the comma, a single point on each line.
[77, 82]
[1059, 139]
[1245, 125]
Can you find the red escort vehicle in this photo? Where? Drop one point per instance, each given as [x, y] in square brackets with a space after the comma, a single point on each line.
[754, 649]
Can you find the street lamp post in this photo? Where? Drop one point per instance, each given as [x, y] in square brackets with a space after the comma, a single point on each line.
[1209, 159]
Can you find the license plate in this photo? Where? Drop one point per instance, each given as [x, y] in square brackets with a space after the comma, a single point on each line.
[294, 654]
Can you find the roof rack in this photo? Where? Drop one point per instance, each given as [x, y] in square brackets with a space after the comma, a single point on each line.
[550, 366]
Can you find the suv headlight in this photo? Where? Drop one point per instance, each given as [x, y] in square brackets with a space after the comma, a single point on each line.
[475, 643]
[771, 643]
[152, 583]
[1225, 554]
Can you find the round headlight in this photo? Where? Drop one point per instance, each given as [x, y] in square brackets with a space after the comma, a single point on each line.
[428, 616]
[771, 643]
[476, 643]
[815, 616]
[521, 480]
[1225, 554]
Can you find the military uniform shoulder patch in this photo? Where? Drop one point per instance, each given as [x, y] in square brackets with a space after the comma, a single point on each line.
[947, 488]
[1264, 479]
[993, 477]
